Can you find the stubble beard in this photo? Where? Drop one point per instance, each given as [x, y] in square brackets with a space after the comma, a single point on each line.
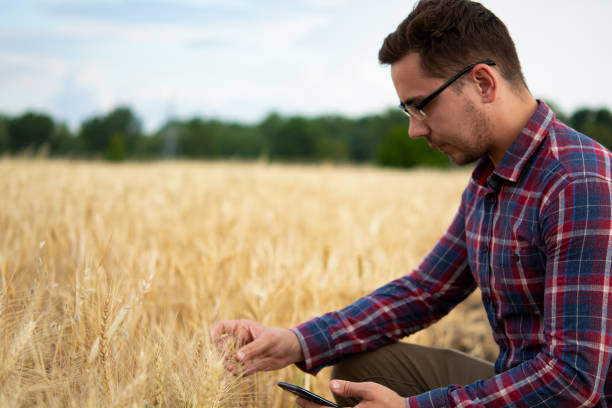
[478, 128]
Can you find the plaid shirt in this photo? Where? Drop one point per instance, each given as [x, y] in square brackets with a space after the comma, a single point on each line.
[535, 235]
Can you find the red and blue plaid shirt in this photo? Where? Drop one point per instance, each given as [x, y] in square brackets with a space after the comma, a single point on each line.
[535, 235]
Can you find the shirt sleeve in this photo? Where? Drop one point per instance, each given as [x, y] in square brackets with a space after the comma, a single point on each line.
[572, 368]
[395, 310]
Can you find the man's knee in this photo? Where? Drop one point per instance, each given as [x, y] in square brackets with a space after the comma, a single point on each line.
[411, 369]
[349, 368]
[381, 366]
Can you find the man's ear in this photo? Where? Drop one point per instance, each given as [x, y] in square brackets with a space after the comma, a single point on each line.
[487, 82]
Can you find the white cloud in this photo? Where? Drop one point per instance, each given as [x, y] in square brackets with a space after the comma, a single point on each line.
[246, 58]
[26, 80]
[53, 84]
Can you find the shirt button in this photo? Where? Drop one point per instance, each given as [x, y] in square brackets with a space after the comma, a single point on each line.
[486, 298]
[484, 248]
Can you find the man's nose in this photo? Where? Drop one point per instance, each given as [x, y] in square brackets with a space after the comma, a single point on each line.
[417, 128]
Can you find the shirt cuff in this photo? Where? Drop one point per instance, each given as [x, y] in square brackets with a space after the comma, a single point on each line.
[305, 365]
[437, 398]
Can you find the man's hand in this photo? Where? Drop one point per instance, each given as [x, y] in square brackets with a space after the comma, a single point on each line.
[259, 347]
[372, 395]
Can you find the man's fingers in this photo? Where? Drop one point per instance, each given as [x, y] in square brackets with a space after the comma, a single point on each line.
[217, 330]
[223, 329]
[254, 350]
[253, 357]
[234, 332]
[344, 388]
[238, 328]
[349, 389]
[255, 347]
[251, 366]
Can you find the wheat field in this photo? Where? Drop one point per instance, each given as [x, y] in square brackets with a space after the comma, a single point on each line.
[112, 274]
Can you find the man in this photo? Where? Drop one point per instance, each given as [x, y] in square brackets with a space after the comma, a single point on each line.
[533, 232]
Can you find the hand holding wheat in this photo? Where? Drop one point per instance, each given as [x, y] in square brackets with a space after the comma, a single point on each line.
[260, 348]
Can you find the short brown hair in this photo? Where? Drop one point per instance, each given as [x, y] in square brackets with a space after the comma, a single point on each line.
[450, 35]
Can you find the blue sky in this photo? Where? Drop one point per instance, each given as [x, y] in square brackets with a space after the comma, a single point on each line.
[239, 59]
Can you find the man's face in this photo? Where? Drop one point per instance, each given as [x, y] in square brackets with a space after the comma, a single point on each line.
[455, 124]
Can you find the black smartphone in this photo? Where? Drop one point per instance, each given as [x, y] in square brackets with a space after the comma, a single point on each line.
[302, 393]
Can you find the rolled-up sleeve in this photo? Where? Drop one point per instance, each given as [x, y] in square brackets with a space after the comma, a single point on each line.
[395, 310]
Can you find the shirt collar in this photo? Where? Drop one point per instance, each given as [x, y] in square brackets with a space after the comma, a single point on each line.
[520, 151]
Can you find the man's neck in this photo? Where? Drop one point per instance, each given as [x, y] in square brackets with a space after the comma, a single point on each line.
[510, 120]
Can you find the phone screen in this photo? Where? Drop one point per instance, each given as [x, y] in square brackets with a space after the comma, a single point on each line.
[301, 392]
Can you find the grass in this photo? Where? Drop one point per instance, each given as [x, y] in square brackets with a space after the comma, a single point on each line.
[111, 275]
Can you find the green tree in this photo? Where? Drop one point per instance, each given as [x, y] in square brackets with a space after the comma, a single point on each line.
[269, 130]
[115, 151]
[162, 143]
[603, 119]
[558, 112]
[237, 140]
[367, 133]
[295, 138]
[604, 116]
[30, 130]
[600, 132]
[123, 121]
[94, 135]
[579, 119]
[332, 137]
[299, 138]
[63, 142]
[596, 124]
[398, 150]
[199, 139]
[4, 135]
[331, 148]
[97, 133]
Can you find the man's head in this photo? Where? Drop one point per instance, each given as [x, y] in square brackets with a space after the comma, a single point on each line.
[450, 35]
[458, 42]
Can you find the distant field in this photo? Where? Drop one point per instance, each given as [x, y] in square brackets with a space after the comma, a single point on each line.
[111, 275]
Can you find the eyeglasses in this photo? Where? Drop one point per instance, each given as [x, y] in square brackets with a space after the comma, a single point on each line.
[416, 111]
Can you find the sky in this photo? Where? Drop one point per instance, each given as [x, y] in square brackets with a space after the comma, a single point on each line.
[239, 60]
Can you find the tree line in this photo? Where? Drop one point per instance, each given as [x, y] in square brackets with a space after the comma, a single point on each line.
[381, 138]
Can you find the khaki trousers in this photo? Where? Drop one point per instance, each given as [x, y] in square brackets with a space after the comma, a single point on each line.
[410, 369]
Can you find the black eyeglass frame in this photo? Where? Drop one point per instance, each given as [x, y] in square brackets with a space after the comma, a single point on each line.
[419, 106]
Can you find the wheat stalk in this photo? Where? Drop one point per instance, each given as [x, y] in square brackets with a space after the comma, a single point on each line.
[123, 321]
[103, 351]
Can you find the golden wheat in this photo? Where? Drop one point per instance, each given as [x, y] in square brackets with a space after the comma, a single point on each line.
[111, 275]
